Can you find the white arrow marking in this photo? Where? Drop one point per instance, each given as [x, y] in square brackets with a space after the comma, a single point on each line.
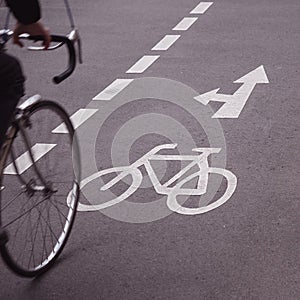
[234, 104]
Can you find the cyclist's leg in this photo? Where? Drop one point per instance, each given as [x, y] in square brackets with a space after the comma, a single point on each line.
[11, 89]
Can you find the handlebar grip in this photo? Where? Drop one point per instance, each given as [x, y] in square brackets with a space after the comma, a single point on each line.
[71, 50]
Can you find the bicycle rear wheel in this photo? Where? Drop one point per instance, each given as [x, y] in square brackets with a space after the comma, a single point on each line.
[37, 207]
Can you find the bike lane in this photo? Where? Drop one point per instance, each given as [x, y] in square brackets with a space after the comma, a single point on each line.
[239, 135]
[228, 253]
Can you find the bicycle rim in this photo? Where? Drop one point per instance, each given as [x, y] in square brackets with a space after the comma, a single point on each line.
[34, 209]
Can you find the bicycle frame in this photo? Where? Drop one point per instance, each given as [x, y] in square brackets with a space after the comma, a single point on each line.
[200, 160]
[20, 120]
[6, 148]
[4, 151]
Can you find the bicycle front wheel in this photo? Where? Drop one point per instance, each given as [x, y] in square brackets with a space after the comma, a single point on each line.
[35, 189]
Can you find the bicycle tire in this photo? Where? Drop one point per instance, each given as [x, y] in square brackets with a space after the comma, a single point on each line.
[39, 227]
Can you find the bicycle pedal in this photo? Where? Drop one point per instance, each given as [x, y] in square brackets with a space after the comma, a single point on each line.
[3, 237]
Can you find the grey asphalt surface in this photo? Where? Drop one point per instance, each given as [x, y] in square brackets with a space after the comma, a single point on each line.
[246, 249]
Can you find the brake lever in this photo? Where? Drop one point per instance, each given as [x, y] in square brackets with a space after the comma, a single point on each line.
[75, 37]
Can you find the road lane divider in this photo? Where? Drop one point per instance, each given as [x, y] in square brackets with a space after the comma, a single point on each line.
[185, 23]
[146, 61]
[82, 115]
[201, 8]
[166, 42]
[78, 118]
[113, 89]
[24, 161]
[143, 64]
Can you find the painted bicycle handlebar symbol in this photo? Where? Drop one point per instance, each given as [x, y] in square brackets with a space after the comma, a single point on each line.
[168, 188]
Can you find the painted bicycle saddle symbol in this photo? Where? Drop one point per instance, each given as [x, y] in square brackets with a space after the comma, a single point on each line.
[175, 186]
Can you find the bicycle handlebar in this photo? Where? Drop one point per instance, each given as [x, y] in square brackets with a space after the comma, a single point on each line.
[71, 51]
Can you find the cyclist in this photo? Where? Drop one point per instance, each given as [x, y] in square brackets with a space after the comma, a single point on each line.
[27, 14]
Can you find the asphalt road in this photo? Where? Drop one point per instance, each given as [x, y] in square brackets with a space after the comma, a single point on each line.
[247, 248]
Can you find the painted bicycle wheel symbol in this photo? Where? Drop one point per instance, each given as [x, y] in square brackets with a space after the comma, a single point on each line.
[174, 187]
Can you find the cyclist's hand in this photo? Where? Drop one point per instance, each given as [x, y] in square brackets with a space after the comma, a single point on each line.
[32, 29]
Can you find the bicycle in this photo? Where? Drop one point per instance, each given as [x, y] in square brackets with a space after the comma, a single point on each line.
[177, 185]
[35, 222]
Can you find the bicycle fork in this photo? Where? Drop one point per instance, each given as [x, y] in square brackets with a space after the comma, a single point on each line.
[23, 121]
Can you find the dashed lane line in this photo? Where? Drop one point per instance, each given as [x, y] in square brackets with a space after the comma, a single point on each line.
[201, 8]
[166, 42]
[78, 118]
[146, 61]
[143, 64]
[185, 23]
[39, 150]
[113, 89]
[24, 161]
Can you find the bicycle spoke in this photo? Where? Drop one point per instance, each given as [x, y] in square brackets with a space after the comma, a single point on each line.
[22, 214]
[20, 225]
[32, 243]
[38, 221]
[53, 243]
[26, 241]
[11, 201]
[37, 226]
[59, 212]
[49, 227]
[15, 239]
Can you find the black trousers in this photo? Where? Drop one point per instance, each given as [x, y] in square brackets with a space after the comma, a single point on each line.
[11, 90]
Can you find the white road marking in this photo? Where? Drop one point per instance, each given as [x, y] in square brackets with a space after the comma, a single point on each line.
[77, 119]
[24, 162]
[166, 42]
[113, 89]
[175, 206]
[143, 64]
[185, 23]
[181, 178]
[234, 104]
[201, 8]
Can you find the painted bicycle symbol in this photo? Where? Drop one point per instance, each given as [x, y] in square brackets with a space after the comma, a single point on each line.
[168, 188]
